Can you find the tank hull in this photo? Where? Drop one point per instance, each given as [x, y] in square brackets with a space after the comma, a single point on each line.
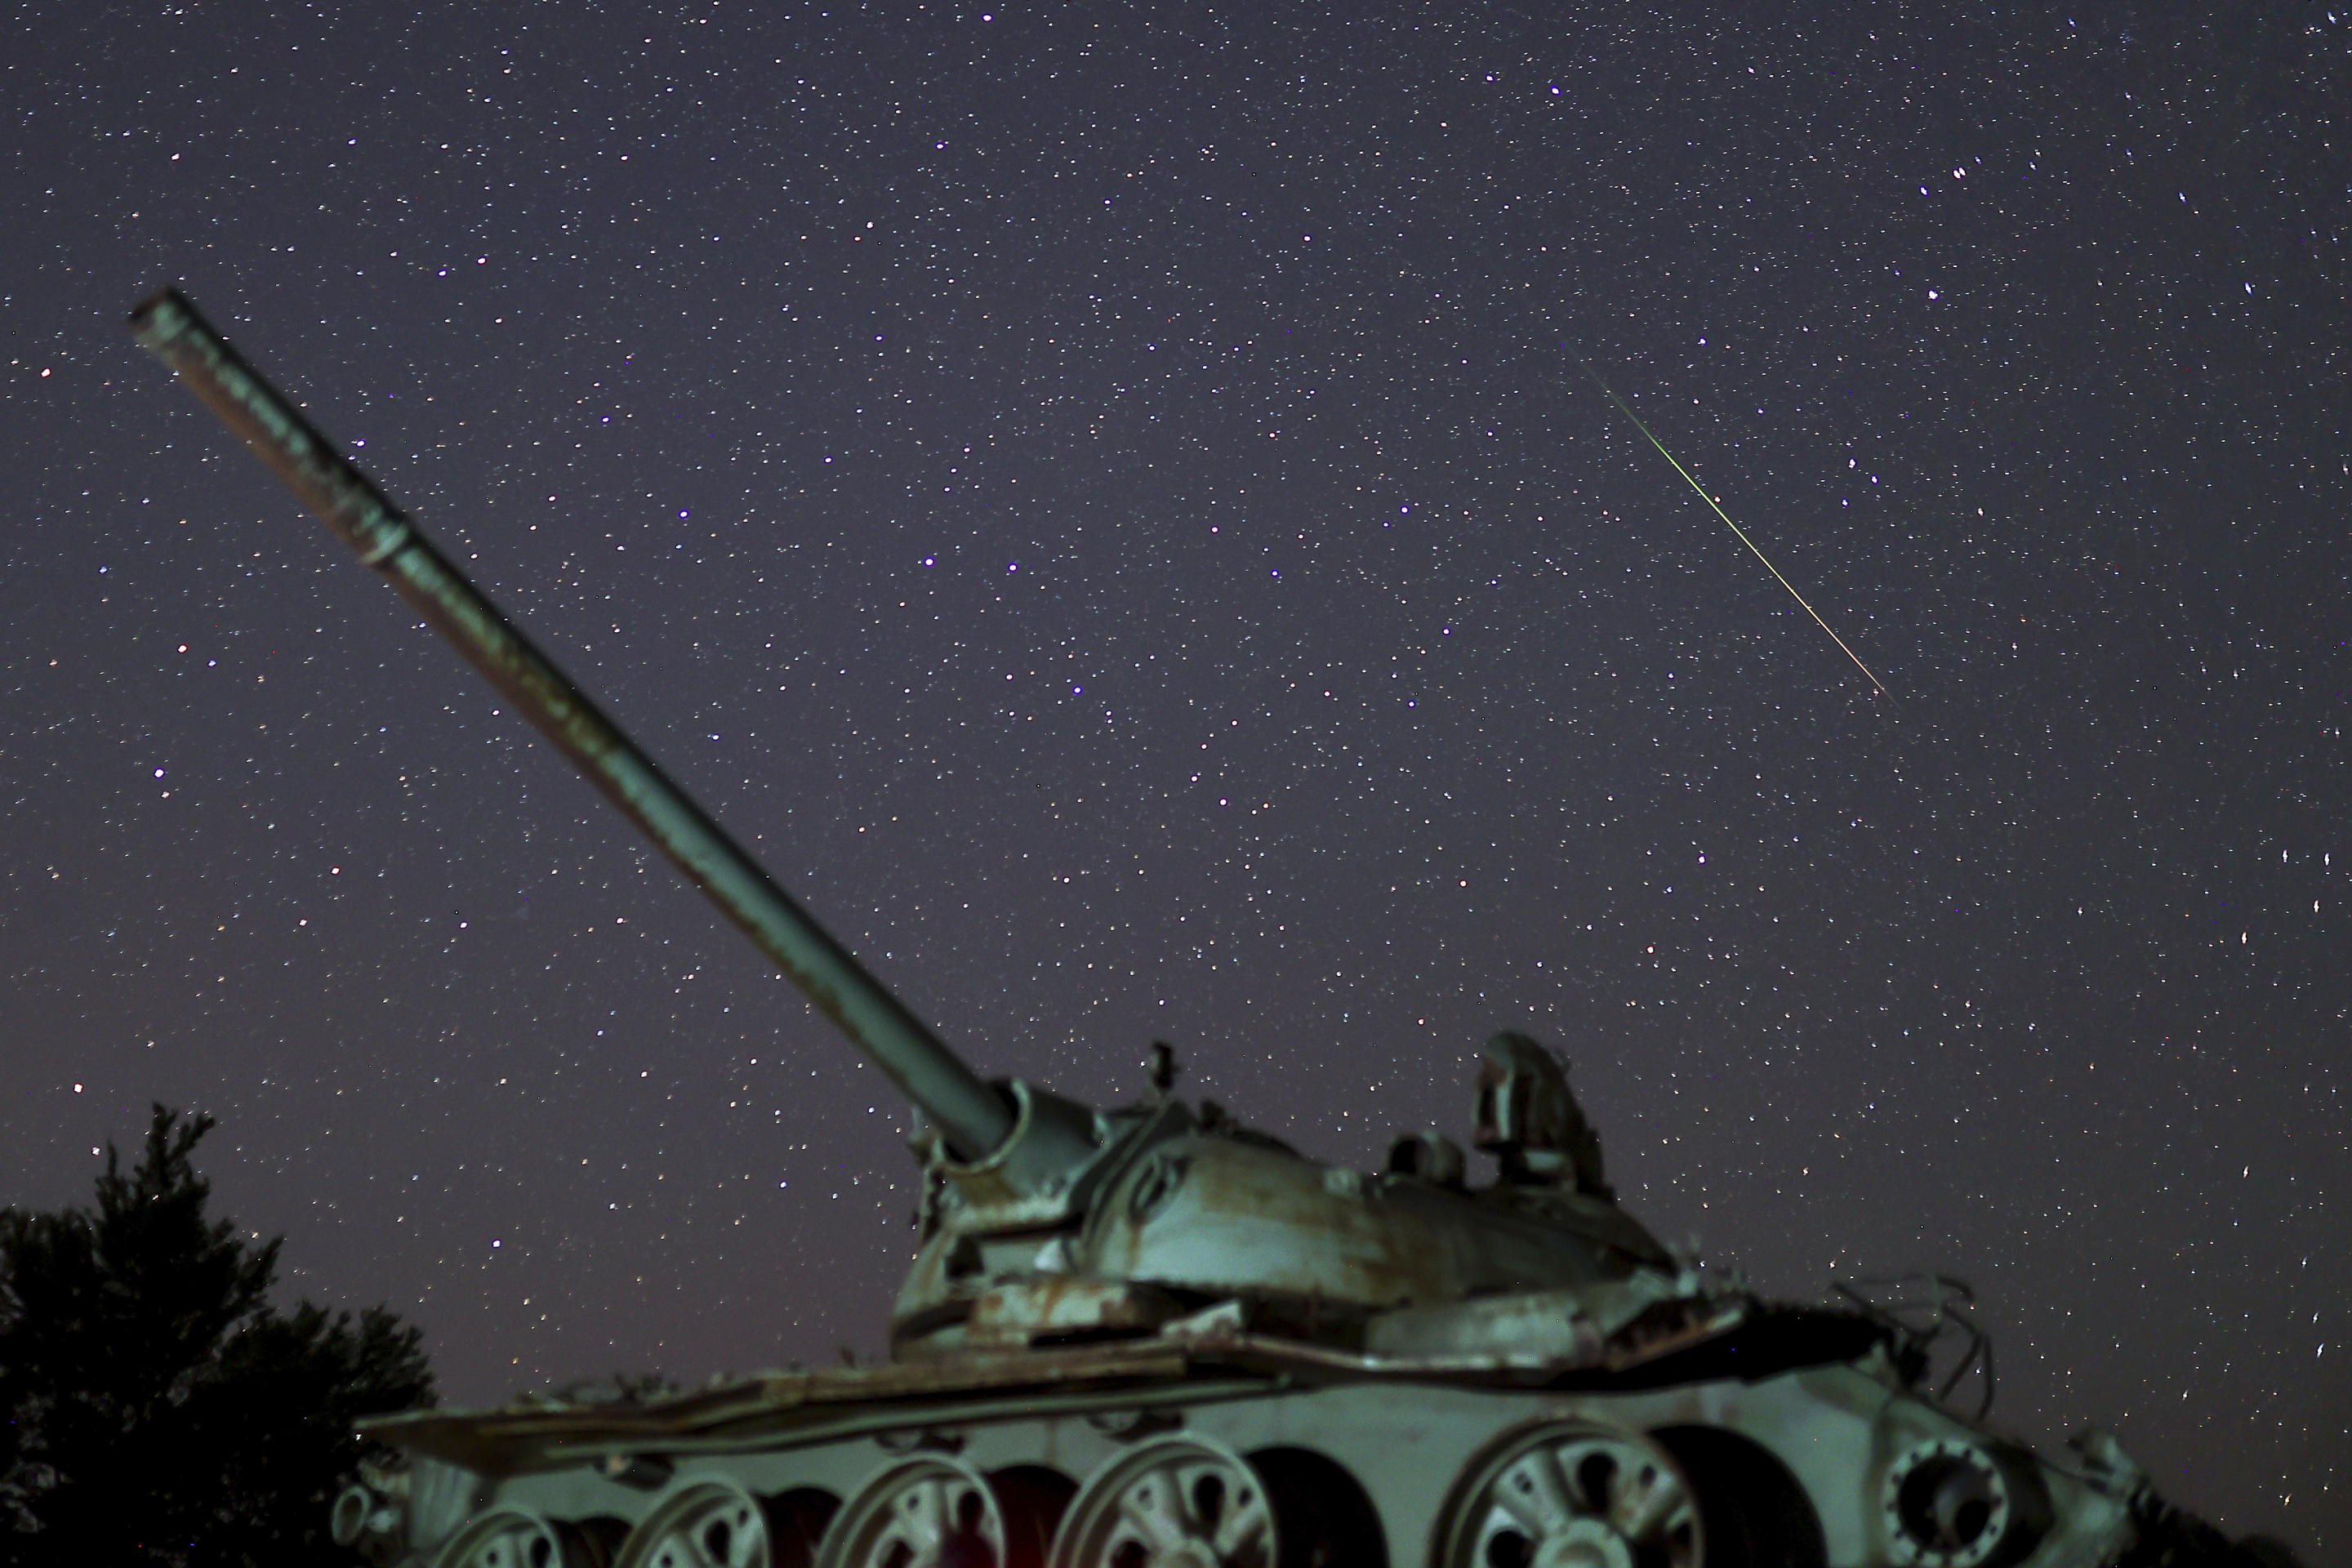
[1793, 1467]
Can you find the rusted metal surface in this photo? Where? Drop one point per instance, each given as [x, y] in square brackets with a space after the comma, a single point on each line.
[974, 1118]
[1029, 1311]
[1189, 1361]
[776, 1405]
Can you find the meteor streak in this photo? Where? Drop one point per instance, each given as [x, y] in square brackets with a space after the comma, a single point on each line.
[1876, 684]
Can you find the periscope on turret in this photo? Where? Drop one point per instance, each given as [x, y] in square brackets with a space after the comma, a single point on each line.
[1149, 1337]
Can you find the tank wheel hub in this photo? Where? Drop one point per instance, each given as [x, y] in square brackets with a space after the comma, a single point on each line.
[710, 1524]
[1174, 1503]
[925, 1513]
[1573, 1496]
[1586, 1543]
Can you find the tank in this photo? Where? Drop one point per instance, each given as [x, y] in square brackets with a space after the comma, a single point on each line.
[1146, 1336]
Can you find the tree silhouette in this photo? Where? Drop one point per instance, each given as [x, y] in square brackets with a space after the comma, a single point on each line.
[155, 1407]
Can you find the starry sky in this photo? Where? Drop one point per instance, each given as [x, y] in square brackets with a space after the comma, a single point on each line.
[1098, 497]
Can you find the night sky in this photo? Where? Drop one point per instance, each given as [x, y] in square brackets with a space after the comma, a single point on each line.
[1097, 497]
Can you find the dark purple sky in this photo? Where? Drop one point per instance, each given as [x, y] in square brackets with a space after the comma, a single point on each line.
[1097, 498]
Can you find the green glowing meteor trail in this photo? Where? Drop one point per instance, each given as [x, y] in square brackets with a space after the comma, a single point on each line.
[1876, 685]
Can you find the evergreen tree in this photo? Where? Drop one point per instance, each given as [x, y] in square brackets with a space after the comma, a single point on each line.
[155, 1407]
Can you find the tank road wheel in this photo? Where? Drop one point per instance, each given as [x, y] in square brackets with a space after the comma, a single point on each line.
[517, 1537]
[1175, 1502]
[710, 1524]
[925, 1514]
[1575, 1496]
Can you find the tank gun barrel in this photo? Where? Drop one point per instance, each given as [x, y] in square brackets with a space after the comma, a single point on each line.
[972, 1117]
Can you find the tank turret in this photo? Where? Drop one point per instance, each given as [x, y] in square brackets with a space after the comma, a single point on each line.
[1148, 1337]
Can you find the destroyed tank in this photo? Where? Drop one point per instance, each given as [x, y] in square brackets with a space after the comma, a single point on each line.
[1149, 1337]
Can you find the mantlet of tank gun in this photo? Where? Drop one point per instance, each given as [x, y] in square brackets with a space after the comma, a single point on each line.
[1042, 1173]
